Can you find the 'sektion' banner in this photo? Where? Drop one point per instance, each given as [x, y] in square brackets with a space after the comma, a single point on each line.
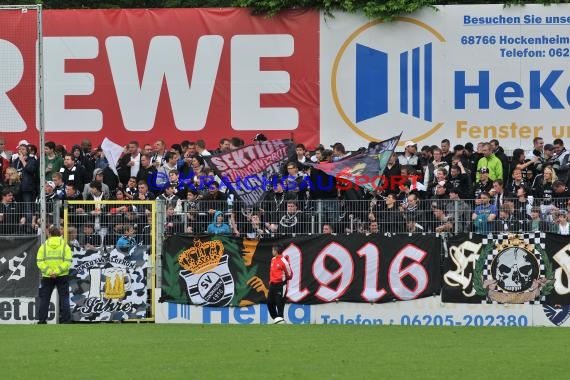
[524, 268]
[228, 271]
[248, 171]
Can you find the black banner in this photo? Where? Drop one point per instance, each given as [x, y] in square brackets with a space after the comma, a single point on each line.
[19, 273]
[228, 271]
[369, 163]
[518, 268]
[251, 171]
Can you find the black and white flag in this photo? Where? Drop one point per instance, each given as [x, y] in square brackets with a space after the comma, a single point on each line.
[19, 274]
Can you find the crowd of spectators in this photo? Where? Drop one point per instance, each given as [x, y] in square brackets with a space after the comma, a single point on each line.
[465, 188]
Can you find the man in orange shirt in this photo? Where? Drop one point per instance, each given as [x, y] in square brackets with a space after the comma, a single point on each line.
[279, 273]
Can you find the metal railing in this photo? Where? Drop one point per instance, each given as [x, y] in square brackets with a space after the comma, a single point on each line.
[279, 217]
[296, 218]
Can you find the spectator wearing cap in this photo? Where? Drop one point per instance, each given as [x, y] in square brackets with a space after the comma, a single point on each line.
[560, 225]
[14, 156]
[84, 162]
[409, 157]
[440, 191]
[51, 198]
[491, 162]
[484, 185]
[338, 151]
[484, 215]
[547, 159]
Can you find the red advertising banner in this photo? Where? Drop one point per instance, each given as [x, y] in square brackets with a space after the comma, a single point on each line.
[169, 73]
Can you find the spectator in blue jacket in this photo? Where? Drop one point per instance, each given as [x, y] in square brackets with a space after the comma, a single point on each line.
[218, 227]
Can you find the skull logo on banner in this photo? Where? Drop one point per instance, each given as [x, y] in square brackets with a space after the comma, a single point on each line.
[514, 269]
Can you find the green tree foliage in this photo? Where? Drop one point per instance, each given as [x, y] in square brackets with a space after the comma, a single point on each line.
[384, 9]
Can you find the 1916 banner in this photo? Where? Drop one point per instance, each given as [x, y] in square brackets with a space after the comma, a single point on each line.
[516, 268]
[227, 271]
[108, 286]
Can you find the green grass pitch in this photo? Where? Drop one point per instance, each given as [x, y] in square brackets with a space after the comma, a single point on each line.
[151, 351]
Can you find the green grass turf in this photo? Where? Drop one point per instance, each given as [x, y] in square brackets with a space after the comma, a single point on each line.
[148, 351]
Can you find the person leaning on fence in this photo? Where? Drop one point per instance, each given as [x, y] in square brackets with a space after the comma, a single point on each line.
[279, 273]
[218, 226]
[54, 260]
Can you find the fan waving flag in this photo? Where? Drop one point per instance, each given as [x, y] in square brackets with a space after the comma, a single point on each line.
[366, 164]
[247, 171]
[113, 152]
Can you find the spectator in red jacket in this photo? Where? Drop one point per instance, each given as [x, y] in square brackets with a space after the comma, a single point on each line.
[279, 273]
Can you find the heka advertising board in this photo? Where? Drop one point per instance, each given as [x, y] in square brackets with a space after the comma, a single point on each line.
[162, 73]
[421, 312]
[466, 73]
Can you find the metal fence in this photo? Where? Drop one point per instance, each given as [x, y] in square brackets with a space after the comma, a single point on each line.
[386, 215]
[24, 218]
[282, 217]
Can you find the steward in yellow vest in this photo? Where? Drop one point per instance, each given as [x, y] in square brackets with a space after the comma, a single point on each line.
[54, 260]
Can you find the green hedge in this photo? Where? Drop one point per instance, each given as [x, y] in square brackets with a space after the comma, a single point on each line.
[386, 9]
